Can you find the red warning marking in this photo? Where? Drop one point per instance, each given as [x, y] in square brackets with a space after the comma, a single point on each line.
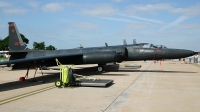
[22, 79]
[13, 30]
[158, 50]
[11, 25]
[17, 43]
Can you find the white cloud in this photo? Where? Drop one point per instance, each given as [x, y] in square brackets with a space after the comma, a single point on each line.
[190, 11]
[189, 26]
[4, 4]
[117, 1]
[33, 4]
[53, 7]
[118, 19]
[74, 36]
[127, 33]
[8, 8]
[158, 34]
[69, 4]
[100, 10]
[175, 22]
[2, 26]
[143, 19]
[15, 11]
[190, 34]
[84, 25]
[136, 26]
[185, 14]
[132, 9]
[179, 20]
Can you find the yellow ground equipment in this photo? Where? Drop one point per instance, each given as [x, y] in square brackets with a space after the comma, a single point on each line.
[67, 78]
[66, 75]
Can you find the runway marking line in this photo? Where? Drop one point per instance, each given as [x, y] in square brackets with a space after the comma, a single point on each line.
[140, 75]
[25, 95]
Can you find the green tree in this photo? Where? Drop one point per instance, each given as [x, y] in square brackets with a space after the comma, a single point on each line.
[38, 46]
[4, 44]
[50, 47]
[41, 46]
[24, 39]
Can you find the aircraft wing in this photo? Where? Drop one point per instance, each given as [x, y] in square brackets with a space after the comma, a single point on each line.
[40, 58]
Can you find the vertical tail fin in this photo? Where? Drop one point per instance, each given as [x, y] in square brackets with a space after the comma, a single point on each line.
[15, 41]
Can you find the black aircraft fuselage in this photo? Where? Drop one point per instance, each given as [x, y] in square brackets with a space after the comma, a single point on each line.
[103, 55]
[94, 55]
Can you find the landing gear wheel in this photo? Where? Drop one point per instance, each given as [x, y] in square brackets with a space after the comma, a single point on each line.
[71, 77]
[100, 68]
[58, 83]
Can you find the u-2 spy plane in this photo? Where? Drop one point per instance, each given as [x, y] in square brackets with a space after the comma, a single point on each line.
[23, 56]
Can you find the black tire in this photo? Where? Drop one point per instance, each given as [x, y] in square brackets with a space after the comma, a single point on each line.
[71, 77]
[100, 68]
[58, 83]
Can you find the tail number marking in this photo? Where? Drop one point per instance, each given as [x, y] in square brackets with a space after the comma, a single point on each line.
[158, 50]
[17, 43]
[13, 30]
[11, 25]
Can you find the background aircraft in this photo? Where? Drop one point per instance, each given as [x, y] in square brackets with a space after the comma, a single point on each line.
[22, 56]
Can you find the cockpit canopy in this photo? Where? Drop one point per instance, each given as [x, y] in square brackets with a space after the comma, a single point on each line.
[148, 45]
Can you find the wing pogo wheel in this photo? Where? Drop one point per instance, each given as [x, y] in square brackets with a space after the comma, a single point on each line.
[100, 68]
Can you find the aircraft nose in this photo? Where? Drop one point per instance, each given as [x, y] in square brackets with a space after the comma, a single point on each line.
[196, 52]
[179, 53]
[188, 53]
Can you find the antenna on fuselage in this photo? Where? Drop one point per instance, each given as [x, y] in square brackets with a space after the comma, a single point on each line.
[134, 41]
[106, 44]
[125, 42]
[81, 46]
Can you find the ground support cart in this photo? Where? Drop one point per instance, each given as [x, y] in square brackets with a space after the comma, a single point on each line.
[68, 78]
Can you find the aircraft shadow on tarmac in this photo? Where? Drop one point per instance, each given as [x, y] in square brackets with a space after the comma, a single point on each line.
[28, 82]
[50, 78]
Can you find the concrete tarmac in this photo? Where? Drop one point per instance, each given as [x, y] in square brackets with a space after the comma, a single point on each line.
[154, 87]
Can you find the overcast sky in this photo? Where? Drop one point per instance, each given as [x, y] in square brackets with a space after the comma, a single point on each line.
[68, 23]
